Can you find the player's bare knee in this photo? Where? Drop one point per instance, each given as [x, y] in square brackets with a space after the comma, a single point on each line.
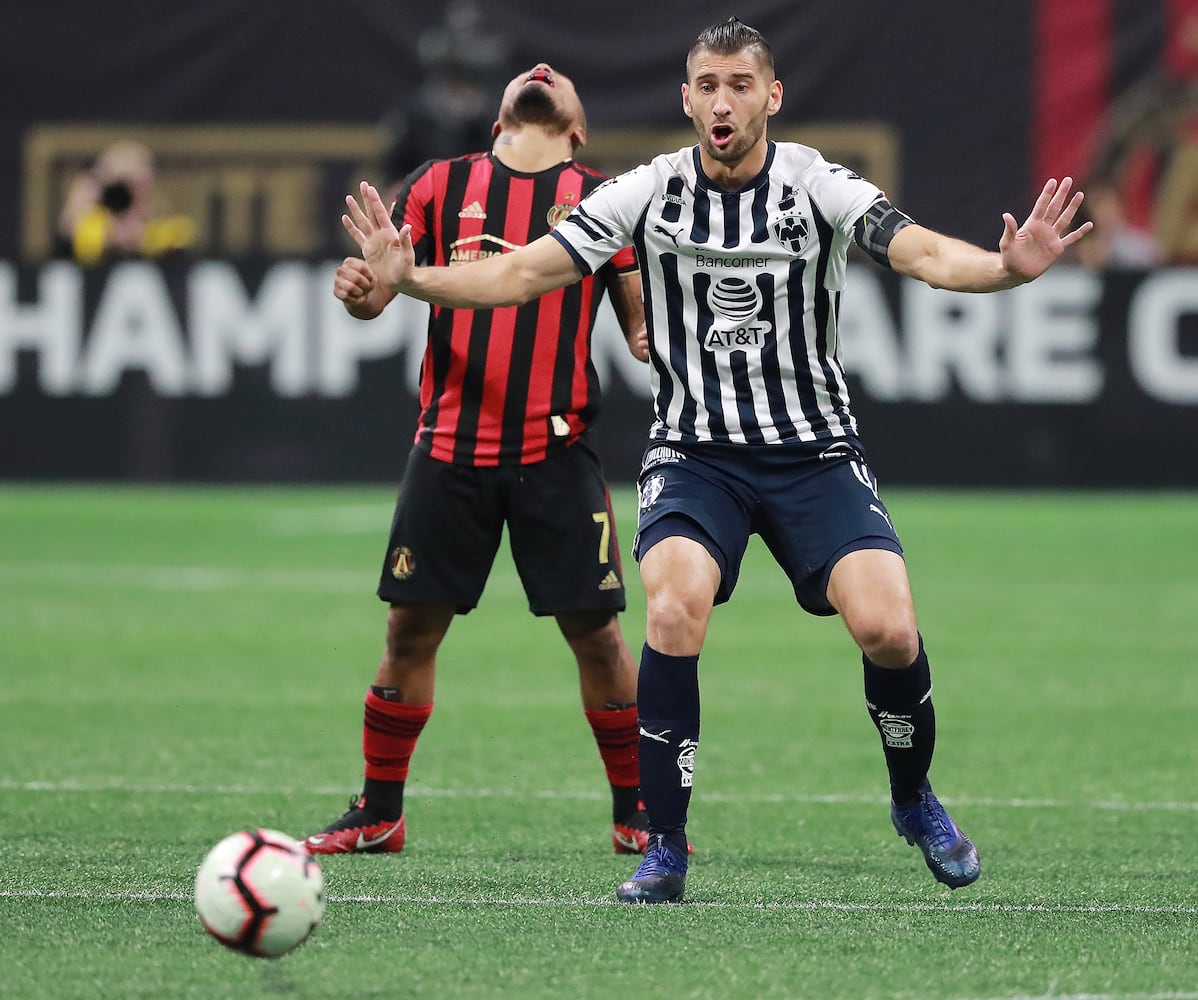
[676, 620]
[888, 643]
[595, 639]
[414, 634]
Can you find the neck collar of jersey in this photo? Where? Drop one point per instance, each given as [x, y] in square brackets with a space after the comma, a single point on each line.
[762, 177]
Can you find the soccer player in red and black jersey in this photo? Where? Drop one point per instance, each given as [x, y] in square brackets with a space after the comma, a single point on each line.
[506, 397]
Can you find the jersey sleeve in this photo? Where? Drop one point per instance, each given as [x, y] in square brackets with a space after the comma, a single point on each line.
[602, 224]
[624, 261]
[413, 207]
[841, 195]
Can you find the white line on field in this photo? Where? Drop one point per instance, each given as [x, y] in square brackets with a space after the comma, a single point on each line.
[1095, 996]
[804, 905]
[418, 791]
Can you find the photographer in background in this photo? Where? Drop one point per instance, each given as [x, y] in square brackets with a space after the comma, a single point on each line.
[109, 212]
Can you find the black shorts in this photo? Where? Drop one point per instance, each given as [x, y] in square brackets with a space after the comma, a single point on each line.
[449, 520]
[811, 503]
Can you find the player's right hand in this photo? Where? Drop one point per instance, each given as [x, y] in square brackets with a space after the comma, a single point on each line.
[358, 289]
[354, 281]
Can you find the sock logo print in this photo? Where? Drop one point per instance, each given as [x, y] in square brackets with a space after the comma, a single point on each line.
[686, 761]
[897, 730]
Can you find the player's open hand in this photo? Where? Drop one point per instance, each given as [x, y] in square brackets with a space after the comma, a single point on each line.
[386, 249]
[1031, 249]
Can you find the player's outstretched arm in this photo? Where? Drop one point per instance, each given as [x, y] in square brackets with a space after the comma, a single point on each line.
[503, 280]
[1024, 252]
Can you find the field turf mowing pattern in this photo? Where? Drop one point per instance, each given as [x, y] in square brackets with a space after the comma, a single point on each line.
[180, 663]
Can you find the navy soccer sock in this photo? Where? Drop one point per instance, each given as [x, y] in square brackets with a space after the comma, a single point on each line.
[668, 716]
[900, 703]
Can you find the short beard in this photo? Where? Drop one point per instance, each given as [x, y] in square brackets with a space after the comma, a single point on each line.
[534, 105]
[739, 149]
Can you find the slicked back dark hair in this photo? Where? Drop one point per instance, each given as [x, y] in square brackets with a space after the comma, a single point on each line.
[730, 37]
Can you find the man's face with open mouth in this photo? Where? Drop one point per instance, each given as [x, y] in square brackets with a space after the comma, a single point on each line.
[541, 96]
[729, 98]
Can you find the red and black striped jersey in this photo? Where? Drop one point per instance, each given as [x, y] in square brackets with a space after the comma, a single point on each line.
[501, 386]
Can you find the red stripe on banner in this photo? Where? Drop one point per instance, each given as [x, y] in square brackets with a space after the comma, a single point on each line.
[1181, 57]
[1072, 53]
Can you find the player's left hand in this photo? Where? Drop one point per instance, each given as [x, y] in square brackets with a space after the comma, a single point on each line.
[387, 250]
[1031, 249]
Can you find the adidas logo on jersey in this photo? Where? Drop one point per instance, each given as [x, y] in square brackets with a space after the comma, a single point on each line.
[611, 581]
[472, 211]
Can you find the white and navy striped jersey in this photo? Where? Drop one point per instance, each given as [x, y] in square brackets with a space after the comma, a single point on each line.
[742, 290]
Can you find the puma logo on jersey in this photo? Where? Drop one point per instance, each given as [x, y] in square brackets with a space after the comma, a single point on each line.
[665, 232]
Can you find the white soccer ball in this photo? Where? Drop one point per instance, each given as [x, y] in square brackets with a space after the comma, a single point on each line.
[259, 892]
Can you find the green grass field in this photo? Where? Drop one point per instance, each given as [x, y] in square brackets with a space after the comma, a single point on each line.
[178, 664]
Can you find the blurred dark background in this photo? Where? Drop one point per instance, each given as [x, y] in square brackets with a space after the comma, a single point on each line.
[215, 351]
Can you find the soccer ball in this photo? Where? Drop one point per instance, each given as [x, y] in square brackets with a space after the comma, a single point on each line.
[259, 892]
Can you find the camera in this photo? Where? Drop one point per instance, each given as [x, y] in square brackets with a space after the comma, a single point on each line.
[116, 196]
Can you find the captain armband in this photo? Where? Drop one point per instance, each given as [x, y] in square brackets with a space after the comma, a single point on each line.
[876, 228]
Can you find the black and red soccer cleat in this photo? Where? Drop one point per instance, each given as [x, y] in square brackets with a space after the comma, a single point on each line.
[631, 834]
[358, 831]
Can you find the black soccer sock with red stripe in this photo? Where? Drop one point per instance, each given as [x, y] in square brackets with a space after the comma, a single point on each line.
[668, 705]
[900, 704]
[389, 733]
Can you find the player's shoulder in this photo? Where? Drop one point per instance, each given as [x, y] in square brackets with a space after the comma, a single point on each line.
[819, 175]
[440, 167]
[660, 169]
[798, 160]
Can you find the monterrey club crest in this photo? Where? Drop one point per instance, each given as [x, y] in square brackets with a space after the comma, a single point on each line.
[793, 230]
[651, 489]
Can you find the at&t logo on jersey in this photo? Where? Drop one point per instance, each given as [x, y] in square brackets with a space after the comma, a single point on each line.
[735, 304]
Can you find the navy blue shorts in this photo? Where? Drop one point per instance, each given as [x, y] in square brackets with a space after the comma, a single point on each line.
[449, 520]
[811, 502]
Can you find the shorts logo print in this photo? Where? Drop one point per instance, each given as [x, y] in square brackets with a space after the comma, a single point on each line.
[882, 514]
[659, 455]
[403, 563]
[611, 581]
[650, 490]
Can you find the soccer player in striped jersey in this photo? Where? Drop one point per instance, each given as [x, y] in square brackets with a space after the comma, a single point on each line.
[742, 244]
[506, 398]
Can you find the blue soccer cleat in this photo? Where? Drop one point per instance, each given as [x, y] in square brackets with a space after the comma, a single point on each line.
[950, 854]
[659, 878]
